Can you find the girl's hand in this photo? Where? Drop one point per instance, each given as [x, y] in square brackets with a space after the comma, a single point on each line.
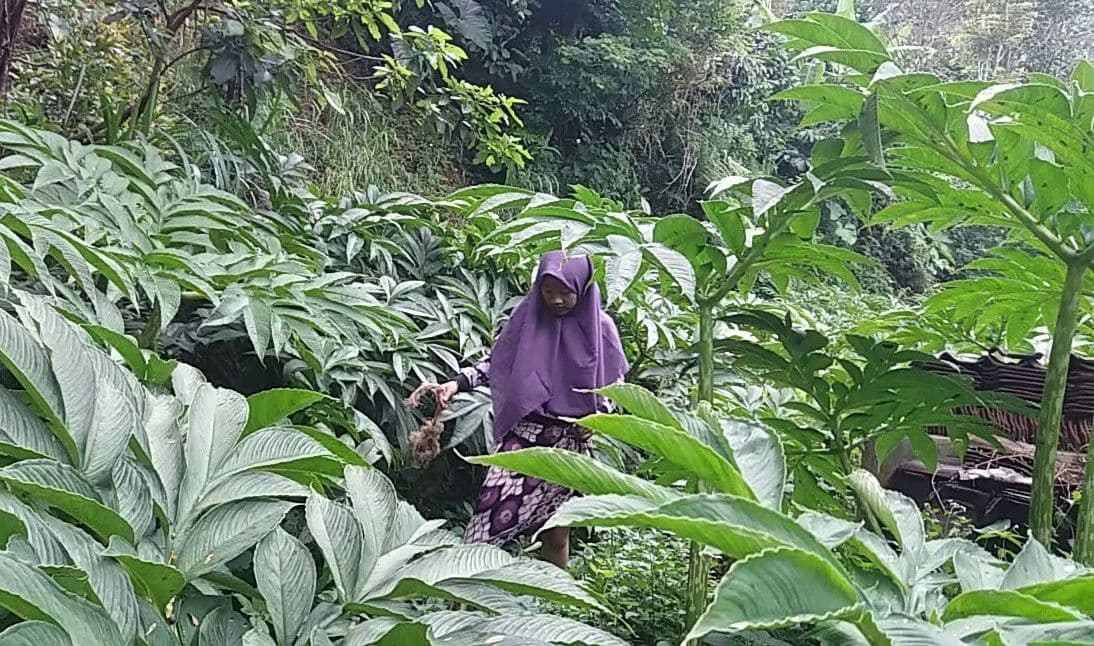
[443, 392]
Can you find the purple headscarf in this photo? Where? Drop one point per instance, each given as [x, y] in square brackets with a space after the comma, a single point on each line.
[541, 358]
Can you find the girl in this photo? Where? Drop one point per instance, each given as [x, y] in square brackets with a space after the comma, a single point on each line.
[557, 343]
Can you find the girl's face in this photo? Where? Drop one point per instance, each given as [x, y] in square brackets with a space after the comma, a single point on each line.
[558, 297]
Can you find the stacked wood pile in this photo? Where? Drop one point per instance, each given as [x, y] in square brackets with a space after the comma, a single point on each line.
[993, 484]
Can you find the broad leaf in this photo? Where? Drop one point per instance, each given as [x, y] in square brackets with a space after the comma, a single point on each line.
[544, 628]
[779, 587]
[340, 538]
[759, 456]
[375, 504]
[1006, 603]
[285, 575]
[35, 633]
[1033, 565]
[215, 419]
[574, 471]
[675, 445]
[227, 531]
[26, 435]
[640, 402]
[270, 407]
[157, 582]
[21, 354]
[736, 526]
[62, 487]
[30, 594]
[1075, 593]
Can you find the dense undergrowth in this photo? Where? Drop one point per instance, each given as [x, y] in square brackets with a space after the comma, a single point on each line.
[223, 273]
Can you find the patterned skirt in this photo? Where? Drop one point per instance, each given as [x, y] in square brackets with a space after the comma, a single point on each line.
[511, 506]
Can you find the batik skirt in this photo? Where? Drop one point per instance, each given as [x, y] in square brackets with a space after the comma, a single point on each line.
[511, 506]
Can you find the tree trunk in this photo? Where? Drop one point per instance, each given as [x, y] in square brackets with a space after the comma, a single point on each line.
[11, 16]
[1052, 407]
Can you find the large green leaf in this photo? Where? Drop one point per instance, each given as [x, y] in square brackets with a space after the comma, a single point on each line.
[675, 265]
[250, 486]
[974, 573]
[34, 633]
[848, 102]
[620, 272]
[226, 532]
[829, 530]
[767, 195]
[112, 425]
[285, 574]
[376, 505]
[268, 448]
[1032, 566]
[894, 510]
[215, 419]
[157, 582]
[778, 587]
[25, 435]
[340, 538]
[98, 415]
[1075, 593]
[674, 445]
[574, 471]
[871, 131]
[165, 451]
[62, 487]
[759, 456]
[545, 628]
[17, 520]
[1006, 603]
[107, 580]
[736, 526]
[221, 627]
[28, 361]
[485, 564]
[387, 631]
[904, 631]
[1071, 634]
[30, 594]
[270, 407]
[133, 496]
[640, 402]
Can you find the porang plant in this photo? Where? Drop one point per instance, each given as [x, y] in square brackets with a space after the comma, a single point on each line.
[752, 228]
[1018, 156]
[845, 583]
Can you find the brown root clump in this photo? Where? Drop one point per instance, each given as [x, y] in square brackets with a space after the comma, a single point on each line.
[425, 443]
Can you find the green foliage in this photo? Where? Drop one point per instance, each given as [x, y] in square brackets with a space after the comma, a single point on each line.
[128, 510]
[871, 397]
[640, 575]
[1012, 156]
[814, 570]
[649, 99]
[357, 303]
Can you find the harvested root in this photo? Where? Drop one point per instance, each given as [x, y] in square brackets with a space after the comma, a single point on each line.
[425, 443]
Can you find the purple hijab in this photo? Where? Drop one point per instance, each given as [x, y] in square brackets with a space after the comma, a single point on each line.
[541, 358]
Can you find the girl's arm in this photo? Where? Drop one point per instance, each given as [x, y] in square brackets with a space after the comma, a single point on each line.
[474, 376]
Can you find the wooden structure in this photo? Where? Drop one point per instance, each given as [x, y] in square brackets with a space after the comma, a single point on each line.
[995, 485]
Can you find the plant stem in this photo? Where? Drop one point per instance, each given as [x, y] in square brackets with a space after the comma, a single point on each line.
[843, 454]
[1084, 533]
[1052, 405]
[706, 353]
[698, 564]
